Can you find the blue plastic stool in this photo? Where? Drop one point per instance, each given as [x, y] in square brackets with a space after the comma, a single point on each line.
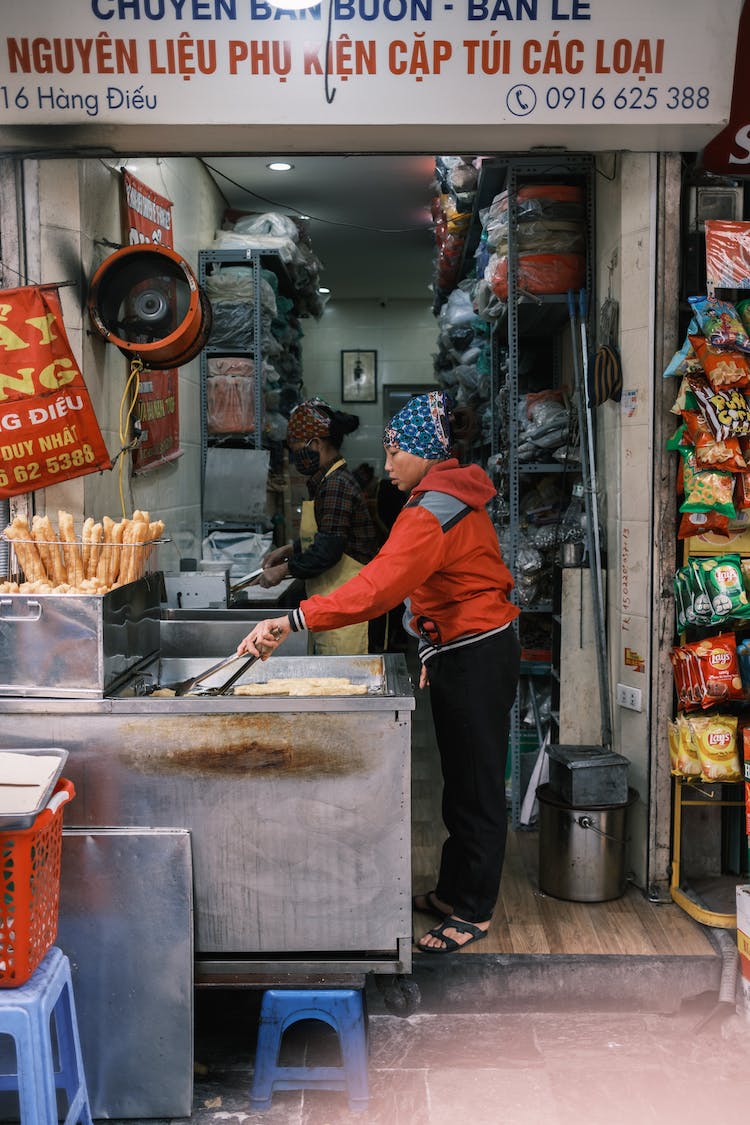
[343, 1010]
[26, 1014]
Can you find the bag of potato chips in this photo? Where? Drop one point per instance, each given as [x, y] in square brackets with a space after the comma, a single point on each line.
[683, 752]
[715, 738]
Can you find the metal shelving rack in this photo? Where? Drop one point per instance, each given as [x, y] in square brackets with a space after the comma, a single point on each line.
[526, 315]
[256, 260]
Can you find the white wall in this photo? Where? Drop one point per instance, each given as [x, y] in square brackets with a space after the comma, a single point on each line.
[403, 333]
[79, 216]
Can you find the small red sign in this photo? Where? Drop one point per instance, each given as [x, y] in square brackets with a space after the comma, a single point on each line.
[48, 429]
[148, 219]
[728, 154]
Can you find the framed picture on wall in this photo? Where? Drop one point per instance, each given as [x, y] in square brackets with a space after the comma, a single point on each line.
[359, 376]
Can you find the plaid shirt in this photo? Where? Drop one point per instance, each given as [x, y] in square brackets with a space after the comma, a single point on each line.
[344, 524]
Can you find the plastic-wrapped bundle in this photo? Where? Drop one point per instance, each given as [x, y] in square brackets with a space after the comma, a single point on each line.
[231, 365]
[529, 568]
[489, 306]
[458, 310]
[232, 325]
[230, 404]
[234, 240]
[270, 223]
[538, 273]
[541, 236]
[471, 381]
[544, 423]
[540, 201]
[237, 283]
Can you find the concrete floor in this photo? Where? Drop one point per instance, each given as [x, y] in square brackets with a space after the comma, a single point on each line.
[520, 1067]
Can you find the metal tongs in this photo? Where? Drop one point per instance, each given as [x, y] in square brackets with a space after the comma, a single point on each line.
[247, 580]
[186, 686]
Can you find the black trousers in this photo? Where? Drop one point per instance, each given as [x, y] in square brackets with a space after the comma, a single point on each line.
[472, 689]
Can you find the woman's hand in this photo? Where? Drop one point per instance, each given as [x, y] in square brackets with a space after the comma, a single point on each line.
[265, 637]
[424, 679]
[272, 575]
[276, 556]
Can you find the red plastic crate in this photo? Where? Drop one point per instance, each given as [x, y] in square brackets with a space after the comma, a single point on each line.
[30, 889]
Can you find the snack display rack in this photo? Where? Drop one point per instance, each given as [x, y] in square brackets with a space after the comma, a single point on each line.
[717, 558]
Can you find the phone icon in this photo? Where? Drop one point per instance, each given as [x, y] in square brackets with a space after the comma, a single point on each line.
[521, 100]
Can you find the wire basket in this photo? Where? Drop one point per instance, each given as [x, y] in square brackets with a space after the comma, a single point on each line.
[30, 885]
[76, 566]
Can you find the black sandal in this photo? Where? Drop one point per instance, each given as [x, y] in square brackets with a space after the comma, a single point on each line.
[430, 905]
[450, 944]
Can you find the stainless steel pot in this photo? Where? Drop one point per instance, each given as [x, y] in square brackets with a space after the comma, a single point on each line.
[582, 851]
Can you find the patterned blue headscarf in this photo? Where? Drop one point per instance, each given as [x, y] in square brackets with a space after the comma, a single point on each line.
[422, 426]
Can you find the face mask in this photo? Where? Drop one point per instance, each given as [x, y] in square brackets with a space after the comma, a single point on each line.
[305, 461]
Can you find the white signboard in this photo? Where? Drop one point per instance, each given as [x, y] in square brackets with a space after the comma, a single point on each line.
[526, 62]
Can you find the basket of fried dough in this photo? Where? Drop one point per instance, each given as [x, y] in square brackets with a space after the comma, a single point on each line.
[54, 560]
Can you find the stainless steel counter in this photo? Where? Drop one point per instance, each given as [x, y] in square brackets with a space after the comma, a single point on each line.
[298, 808]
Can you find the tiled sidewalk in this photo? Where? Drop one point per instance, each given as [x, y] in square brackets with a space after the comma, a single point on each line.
[516, 1068]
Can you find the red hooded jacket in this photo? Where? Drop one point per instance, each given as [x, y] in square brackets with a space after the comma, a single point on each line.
[442, 555]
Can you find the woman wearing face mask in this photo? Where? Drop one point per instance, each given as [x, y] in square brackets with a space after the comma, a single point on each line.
[442, 557]
[336, 535]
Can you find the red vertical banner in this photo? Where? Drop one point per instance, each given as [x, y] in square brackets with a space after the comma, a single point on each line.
[48, 428]
[148, 219]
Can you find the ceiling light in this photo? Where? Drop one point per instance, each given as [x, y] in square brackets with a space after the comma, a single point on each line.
[323, 290]
[279, 166]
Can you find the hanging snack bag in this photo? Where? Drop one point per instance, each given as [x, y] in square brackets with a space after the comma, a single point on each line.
[742, 491]
[690, 592]
[709, 490]
[723, 367]
[710, 453]
[743, 311]
[680, 661]
[685, 361]
[725, 589]
[682, 604]
[703, 523]
[716, 672]
[701, 601]
[726, 411]
[685, 398]
[720, 323]
[715, 738]
[683, 750]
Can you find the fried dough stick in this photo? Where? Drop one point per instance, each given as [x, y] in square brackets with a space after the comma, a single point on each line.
[97, 535]
[86, 544]
[19, 534]
[49, 548]
[73, 560]
[104, 563]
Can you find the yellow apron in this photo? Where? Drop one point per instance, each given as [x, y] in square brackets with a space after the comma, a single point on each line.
[350, 639]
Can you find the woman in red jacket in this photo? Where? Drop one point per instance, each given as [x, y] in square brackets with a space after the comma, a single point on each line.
[443, 560]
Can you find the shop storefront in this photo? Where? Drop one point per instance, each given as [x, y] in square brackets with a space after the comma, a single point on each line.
[602, 101]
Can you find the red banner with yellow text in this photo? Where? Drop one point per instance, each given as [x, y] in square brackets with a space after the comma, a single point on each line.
[148, 219]
[48, 429]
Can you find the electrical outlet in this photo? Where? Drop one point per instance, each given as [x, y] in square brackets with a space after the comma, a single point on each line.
[629, 697]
